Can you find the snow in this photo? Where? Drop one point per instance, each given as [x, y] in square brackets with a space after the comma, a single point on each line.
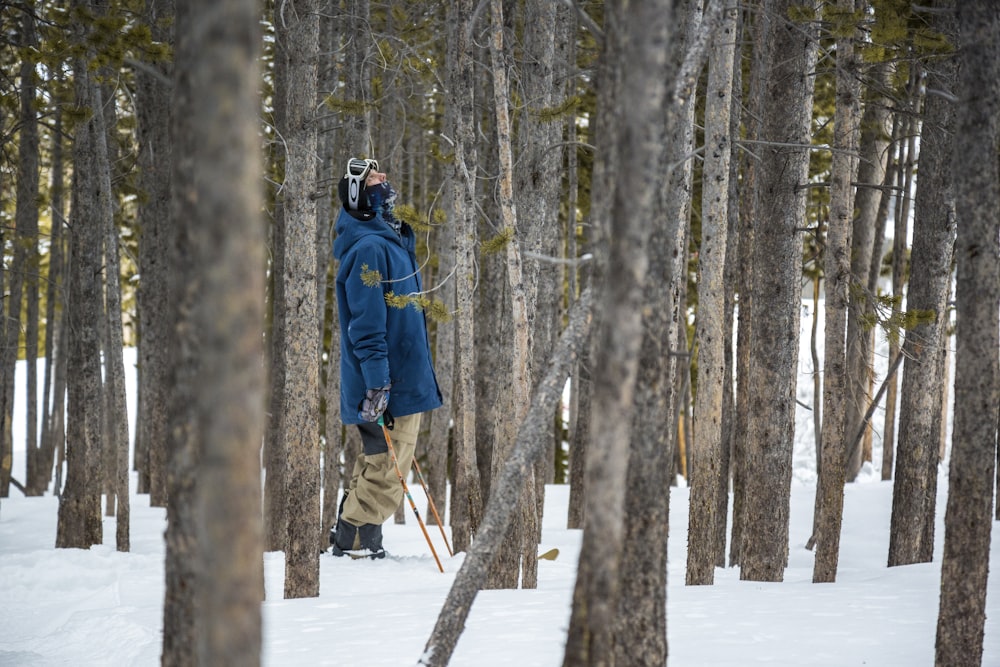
[100, 607]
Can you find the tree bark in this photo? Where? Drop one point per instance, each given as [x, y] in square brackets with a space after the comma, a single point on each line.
[710, 330]
[153, 128]
[727, 480]
[744, 260]
[80, 504]
[637, 43]
[522, 540]
[467, 501]
[500, 509]
[965, 565]
[837, 281]
[297, 48]
[537, 189]
[114, 387]
[905, 170]
[218, 376]
[54, 382]
[26, 220]
[914, 494]
[327, 209]
[866, 241]
[788, 59]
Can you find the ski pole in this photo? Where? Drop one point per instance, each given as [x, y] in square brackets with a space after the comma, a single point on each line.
[427, 491]
[406, 490]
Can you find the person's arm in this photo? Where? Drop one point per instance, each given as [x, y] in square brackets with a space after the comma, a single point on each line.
[366, 303]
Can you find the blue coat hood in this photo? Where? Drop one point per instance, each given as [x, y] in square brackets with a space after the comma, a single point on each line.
[381, 345]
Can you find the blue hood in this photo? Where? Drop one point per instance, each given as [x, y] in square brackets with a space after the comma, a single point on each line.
[350, 229]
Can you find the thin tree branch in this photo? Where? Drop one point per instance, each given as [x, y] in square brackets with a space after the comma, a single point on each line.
[586, 20]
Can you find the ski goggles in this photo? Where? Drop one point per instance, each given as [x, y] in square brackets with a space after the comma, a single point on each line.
[357, 172]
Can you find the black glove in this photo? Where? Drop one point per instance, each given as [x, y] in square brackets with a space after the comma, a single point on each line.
[373, 404]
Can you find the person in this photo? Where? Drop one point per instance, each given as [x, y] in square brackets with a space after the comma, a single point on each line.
[386, 371]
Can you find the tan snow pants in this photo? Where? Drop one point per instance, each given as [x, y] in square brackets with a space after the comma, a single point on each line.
[375, 490]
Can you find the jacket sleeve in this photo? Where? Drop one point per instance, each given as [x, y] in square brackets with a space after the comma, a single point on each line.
[364, 289]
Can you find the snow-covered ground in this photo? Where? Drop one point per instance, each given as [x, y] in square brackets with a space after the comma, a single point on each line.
[101, 607]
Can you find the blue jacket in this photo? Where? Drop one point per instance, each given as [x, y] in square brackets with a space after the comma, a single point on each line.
[381, 344]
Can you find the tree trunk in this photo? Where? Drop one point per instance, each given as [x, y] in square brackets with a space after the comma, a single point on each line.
[214, 557]
[711, 332]
[640, 633]
[577, 427]
[905, 171]
[866, 240]
[467, 501]
[537, 189]
[439, 440]
[26, 219]
[54, 385]
[965, 565]
[297, 49]
[80, 504]
[733, 246]
[837, 277]
[500, 510]
[114, 373]
[522, 538]
[788, 58]
[745, 231]
[327, 209]
[153, 116]
[637, 101]
[914, 494]
[276, 510]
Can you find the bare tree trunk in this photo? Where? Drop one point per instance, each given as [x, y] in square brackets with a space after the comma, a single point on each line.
[911, 537]
[537, 189]
[522, 540]
[80, 504]
[26, 219]
[729, 439]
[500, 510]
[579, 385]
[711, 332]
[837, 276]
[445, 339]
[467, 501]
[54, 387]
[965, 565]
[297, 48]
[745, 231]
[905, 169]
[867, 240]
[153, 116]
[637, 101]
[788, 59]
[327, 208]
[275, 447]
[436, 450]
[640, 632]
[117, 416]
[218, 377]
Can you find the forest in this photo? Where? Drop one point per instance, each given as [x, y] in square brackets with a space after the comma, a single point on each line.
[620, 209]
